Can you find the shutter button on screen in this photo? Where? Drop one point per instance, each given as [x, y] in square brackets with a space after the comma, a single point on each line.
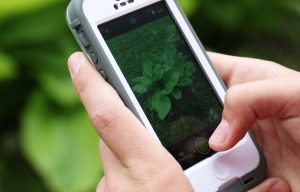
[202, 146]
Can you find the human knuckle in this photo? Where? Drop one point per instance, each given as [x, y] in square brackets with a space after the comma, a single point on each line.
[113, 186]
[170, 172]
[162, 178]
[104, 116]
[233, 96]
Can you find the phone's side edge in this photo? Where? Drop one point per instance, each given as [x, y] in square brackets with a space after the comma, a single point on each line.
[259, 173]
[75, 11]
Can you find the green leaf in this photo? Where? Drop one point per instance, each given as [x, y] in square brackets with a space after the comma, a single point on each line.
[139, 89]
[157, 72]
[148, 69]
[140, 79]
[154, 56]
[190, 67]
[61, 146]
[184, 82]
[171, 79]
[177, 94]
[161, 104]
[149, 102]
[189, 6]
[53, 77]
[60, 89]
[13, 7]
[37, 30]
[174, 36]
[170, 53]
[8, 68]
[142, 84]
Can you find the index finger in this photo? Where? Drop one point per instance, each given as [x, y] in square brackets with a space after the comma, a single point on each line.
[237, 70]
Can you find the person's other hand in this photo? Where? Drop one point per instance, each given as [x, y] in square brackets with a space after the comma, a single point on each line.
[132, 159]
[263, 96]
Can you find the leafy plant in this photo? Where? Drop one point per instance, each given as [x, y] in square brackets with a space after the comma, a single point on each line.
[164, 76]
[61, 145]
[54, 133]
[8, 69]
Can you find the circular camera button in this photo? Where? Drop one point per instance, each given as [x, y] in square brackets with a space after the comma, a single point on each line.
[202, 145]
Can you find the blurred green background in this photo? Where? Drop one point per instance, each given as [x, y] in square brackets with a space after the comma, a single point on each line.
[47, 142]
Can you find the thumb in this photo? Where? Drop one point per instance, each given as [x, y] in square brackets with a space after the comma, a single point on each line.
[246, 103]
[124, 135]
[272, 185]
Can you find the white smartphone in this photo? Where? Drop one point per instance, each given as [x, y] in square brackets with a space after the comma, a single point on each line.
[148, 51]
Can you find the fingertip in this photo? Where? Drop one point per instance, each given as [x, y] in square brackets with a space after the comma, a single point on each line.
[280, 186]
[220, 135]
[74, 63]
[219, 139]
[218, 148]
[74, 56]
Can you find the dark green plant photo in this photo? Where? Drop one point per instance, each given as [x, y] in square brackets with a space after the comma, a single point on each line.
[164, 76]
[167, 80]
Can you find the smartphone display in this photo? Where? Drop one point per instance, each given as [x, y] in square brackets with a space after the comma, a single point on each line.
[167, 80]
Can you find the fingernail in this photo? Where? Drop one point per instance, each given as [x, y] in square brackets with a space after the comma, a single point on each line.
[219, 137]
[74, 64]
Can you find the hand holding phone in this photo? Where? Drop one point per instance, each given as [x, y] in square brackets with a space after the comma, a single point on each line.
[132, 160]
[149, 53]
[108, 97]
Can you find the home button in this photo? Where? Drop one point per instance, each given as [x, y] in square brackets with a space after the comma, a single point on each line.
[221, 170]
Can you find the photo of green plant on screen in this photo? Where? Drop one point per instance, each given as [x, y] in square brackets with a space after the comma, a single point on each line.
[168, 83]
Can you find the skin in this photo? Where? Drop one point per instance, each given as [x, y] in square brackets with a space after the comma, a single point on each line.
[134, 161]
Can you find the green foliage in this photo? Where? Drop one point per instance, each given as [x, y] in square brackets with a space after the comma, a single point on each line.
[8, 67]
[13, 7]
[251, 28]
[164, 75]
[189, 6]
[56, 136]
[62, 145]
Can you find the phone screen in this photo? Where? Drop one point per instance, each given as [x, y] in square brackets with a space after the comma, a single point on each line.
[167, 80]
